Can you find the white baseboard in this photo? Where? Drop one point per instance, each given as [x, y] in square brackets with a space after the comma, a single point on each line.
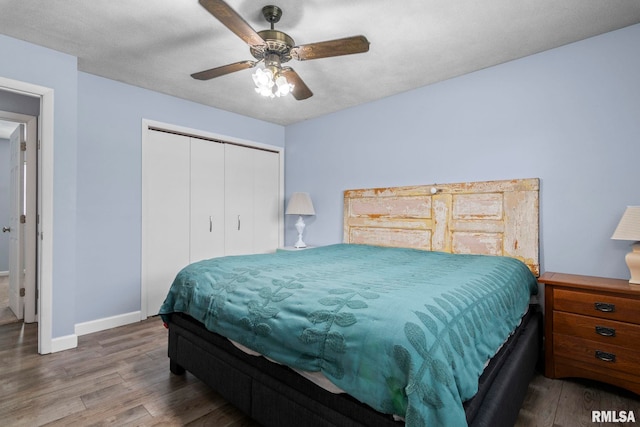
[68, 342]
[106, 323]
[4, 273]
[64, 343]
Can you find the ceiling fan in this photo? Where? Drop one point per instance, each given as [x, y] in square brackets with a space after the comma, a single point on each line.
[274, 48]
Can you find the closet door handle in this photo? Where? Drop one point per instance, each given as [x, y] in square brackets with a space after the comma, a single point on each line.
[238, 222]
[210, 224]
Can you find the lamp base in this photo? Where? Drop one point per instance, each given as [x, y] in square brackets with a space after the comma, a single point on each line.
[300, 227]
[633, 262]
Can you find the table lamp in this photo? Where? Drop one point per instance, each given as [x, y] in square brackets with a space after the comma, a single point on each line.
[629, 229]
[300, 204]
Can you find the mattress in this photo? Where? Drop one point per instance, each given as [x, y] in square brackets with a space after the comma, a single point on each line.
[316, 378]
[275, 396]
[405, 331]
[319, 379]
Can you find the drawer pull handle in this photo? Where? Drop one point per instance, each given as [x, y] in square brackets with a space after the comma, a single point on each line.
[605, 307]
[605, 332]
[605, 357]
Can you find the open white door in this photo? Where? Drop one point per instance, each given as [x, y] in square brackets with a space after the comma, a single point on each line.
[16, 204]
[29, 240]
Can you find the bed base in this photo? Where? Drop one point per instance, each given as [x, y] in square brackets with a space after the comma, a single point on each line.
[275, 396]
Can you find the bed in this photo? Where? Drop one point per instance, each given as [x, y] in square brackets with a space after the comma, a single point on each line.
[432, 266]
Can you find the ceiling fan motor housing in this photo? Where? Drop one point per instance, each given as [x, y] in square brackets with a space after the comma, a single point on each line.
[276, 42]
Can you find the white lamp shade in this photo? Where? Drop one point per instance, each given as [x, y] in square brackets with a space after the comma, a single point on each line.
[300, 204]
[629, 226]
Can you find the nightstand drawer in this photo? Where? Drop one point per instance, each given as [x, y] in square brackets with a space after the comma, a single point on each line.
[601, 330]
[597, 304]
[597, 354]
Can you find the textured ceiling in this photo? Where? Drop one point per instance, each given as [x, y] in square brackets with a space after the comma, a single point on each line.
[158, 44]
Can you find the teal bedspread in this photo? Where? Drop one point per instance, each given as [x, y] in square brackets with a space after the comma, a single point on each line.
[406, 331]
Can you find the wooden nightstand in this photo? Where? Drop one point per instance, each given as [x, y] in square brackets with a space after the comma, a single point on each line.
[592, 329]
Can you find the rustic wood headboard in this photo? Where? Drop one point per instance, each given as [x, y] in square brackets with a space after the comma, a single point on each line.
[489, 218]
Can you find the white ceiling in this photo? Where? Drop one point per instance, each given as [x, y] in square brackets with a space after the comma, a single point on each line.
[158, 44]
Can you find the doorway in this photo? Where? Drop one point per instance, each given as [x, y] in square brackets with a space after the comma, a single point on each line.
[18, 242]
[44, 183]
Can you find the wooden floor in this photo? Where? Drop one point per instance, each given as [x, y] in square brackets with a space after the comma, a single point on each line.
[121, 377]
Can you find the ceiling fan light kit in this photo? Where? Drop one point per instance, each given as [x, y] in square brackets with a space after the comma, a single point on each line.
[271, 84]
[273, 48]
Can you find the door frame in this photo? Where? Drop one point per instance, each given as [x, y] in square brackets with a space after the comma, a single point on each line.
[44, 274]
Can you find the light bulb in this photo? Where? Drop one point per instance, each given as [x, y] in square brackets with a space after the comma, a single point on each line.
[270, 83]
[283, 86]
[263, 78]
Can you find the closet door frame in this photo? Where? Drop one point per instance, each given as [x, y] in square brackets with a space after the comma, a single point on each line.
[148, 125]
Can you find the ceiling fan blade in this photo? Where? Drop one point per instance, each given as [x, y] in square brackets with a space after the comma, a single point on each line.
[230, 18]
[225, 69]
[300, 89]
[346, 46]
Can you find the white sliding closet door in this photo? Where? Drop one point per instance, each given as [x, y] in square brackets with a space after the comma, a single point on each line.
[238, 200]
[252, 188]
[203, 199]
[165, 213]
[207, 199]
[266, 189]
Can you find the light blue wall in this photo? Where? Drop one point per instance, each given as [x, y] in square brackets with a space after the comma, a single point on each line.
[97, 177]
[570, 116]
[5, 213]
[109, 183]
[19, 103]
[44, 67]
